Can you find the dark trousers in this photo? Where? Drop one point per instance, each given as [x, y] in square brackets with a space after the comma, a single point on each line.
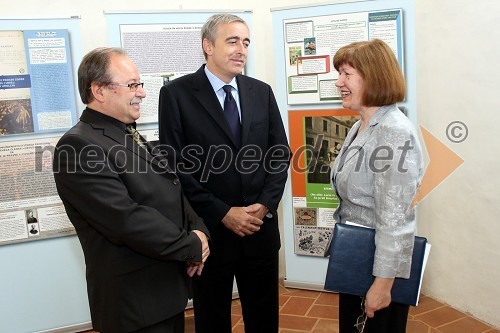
[174, 324]
[389, 320]
[257, 281]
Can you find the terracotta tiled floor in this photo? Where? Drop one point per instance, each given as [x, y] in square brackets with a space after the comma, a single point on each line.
[317, 312]
[304, 311]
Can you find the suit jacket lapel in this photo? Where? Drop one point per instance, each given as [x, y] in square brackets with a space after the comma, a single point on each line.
[126, 140]
[108, 129]
[157, 158]
[352, 146]
[246, 97]
[204, 93]
[123, 139]
[149, 155]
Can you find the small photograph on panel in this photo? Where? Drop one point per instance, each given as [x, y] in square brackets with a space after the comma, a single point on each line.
[33, 230]
[31, 216]
[294, 52]
[310, 46]
[16, 116]
[306, 216]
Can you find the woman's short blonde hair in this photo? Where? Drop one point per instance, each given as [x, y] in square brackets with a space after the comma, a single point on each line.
[383, 78]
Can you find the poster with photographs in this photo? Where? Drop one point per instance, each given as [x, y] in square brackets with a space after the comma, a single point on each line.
[36, 82]
[311, 43]
[316, 137]
[30, 208]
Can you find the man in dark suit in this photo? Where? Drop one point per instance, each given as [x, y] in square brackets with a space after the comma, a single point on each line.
[140, 237]
[233, 176]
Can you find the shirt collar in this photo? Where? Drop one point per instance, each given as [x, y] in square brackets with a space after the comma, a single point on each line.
[217, 83]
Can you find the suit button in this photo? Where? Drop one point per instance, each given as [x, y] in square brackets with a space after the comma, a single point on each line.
[176, 182]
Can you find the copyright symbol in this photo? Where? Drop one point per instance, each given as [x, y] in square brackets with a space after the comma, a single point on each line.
[457, 132]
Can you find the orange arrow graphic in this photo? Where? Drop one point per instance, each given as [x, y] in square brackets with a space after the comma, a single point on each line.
[442, 162]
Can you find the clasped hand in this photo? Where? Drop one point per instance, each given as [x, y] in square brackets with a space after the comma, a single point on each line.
[245, 221]
[197, 267]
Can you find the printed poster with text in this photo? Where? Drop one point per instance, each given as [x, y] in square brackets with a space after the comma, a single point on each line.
[36, 82]
[162, 53]
[316, 137]
[311, 43]
[30, 208]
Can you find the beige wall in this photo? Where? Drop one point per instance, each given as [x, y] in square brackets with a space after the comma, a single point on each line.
[457, 71]
[457, 79]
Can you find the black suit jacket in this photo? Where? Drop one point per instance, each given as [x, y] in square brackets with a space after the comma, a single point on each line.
[215, 173]
[133, 223]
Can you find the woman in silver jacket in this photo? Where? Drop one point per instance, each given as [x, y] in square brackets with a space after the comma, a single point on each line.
[376, 176]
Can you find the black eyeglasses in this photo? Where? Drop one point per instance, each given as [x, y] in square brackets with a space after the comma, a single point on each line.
[361, 321]
[131, 86]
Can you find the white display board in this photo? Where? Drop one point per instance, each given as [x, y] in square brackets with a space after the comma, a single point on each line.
[43, 282]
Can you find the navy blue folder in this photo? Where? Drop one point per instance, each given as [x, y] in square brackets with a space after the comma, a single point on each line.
[351, 264]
